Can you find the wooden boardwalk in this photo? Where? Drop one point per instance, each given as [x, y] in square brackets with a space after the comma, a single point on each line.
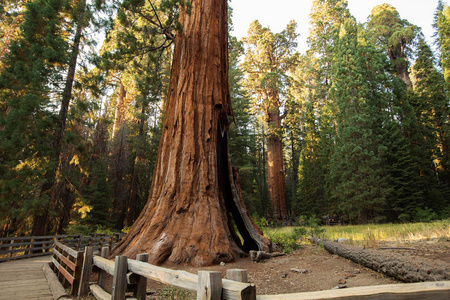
[24, 280]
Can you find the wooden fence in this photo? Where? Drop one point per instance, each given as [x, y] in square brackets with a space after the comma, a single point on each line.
[73, 262]
[67, 264]
[25, 247]
[130, 276]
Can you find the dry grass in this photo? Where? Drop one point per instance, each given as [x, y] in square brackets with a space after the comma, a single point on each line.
[370, 234]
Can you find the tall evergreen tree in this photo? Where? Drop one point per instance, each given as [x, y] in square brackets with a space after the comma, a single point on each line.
[268, 59]
[358, 175]
[442, 26]
[319, 109]
[31, 73]
[431, 104]
[242, 132]
[194, 183]
[395, 36]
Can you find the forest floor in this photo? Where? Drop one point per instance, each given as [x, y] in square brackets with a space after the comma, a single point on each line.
[324, 271]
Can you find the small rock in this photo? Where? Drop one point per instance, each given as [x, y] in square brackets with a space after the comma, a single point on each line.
[284, 275]
[301, 271]
[356, 271]
[349, 275]
[341, 286]
[342, 281]
[222, 263]
[341, 240]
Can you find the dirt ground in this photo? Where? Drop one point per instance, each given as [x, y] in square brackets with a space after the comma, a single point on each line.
[436, 250]
[320, 270]
[324, 271]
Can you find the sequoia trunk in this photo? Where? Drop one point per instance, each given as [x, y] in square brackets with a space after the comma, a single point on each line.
[275, 165]
[121, 110]
[194, 200]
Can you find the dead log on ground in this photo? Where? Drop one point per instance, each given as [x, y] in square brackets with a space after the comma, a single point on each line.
[391, 264]
[260, 255]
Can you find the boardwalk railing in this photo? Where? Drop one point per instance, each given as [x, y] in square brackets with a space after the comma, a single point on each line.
[67, 264]
[25, 247]
[131, 275]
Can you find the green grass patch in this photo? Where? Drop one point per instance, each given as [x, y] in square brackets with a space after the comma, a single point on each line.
[370, 234]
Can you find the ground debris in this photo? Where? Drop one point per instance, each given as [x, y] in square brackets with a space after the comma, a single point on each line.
[301, 271]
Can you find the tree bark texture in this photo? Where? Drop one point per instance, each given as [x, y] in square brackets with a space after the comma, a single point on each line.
[393, 265]
[275, 164]
[194, 200]
[121, 109]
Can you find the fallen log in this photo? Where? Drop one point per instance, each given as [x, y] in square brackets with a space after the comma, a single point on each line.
[260, 255]
[391, 264]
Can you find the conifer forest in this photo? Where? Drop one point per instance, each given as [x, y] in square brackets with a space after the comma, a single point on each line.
[122, 112]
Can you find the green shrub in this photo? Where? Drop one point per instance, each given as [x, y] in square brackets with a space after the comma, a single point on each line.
[425, 215]
[288, 241]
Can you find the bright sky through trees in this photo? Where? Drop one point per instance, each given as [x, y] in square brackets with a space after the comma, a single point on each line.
[276, 14]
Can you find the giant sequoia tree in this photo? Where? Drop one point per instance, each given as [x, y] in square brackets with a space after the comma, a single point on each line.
[195, 199]
[268, 59]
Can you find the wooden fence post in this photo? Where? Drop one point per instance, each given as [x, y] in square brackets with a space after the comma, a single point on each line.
[141, 288]
[11, 249]
[78, 242]
[100, 243]
[239, 275]
[86, 271]
[120, 278]
[209, 285]
[102, 273]
[111, 241]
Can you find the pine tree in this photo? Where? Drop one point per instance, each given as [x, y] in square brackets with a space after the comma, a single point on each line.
[11, 18]
[358, 176]
[136, 55]
[242, 141]
[319, 108]
[32, 70]
[442, 26]
[432, 110]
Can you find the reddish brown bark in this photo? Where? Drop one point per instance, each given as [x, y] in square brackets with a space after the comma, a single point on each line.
[275, 164]
[194, 198]
[121, 110]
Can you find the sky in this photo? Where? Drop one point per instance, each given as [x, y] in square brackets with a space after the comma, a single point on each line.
[276, 14]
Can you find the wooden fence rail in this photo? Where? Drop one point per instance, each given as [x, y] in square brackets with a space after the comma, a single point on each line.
[131, 276]
[67, 265]
[12, 248]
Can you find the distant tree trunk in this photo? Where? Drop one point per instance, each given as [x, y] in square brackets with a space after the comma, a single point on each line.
[118, 159]
[275, 164]
[194, 199]
[401, 65]
[120, 112]
[136, 171]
